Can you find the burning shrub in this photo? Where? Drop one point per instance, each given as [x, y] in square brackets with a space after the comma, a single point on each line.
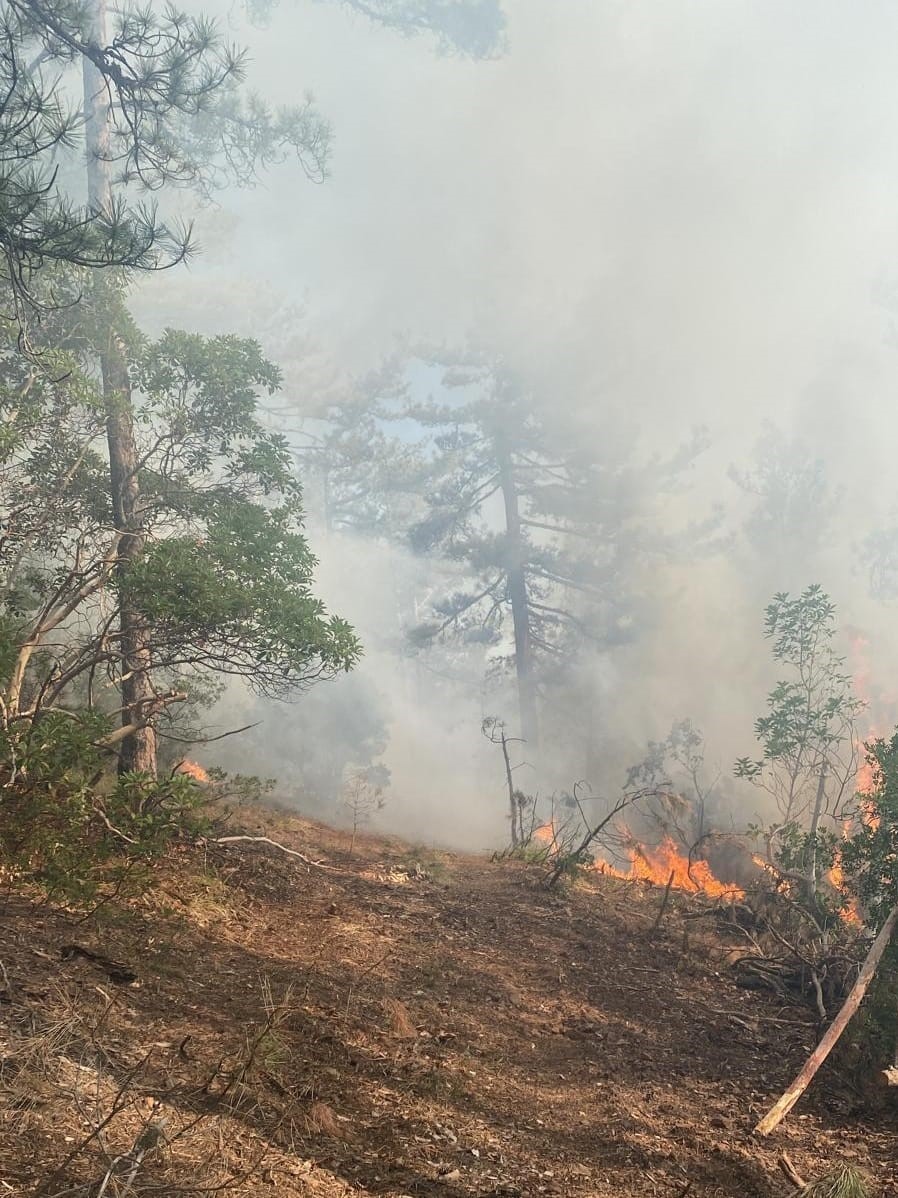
[808, 761]
[808, 769]
[673, 819]
[869, 861]
[869, 856]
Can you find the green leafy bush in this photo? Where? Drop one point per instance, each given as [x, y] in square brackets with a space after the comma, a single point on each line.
[73, 829]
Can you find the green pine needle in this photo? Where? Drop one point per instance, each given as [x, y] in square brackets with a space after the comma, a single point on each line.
[842, 1182]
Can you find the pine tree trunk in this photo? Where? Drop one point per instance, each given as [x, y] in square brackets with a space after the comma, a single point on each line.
[138, 750]
[517, 593]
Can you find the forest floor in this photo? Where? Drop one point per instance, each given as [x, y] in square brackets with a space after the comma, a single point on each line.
[395, 1021]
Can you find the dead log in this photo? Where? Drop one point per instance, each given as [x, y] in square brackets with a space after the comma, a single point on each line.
[784, 1105]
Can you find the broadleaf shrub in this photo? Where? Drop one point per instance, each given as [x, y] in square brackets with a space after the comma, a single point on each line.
[70, 826]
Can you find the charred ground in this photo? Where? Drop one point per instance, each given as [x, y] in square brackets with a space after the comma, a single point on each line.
[400, 1022]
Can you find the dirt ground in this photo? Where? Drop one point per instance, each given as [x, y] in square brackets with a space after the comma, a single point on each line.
[398, 1022]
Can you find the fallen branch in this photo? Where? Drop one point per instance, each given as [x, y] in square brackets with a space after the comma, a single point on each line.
[770, 1020]
[123, 1098]
[784, 1105]
[281, 847]
[791, 1173]
[129, 1163]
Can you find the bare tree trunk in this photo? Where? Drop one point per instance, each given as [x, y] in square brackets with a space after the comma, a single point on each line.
[516, 833]
[138, 752]
[814, 829]
[517, 593]
[138, 749]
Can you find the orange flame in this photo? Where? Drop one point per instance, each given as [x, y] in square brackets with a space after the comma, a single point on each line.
[865, 783]
[655, 864]
[849, 909]
[869, 816]
[192, 770]
[658, 862]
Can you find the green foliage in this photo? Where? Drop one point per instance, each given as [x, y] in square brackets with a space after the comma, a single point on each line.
[67, 827]
[531, 853]
[225, 582]
[472, 28]
[676, 766]
[808, 766]
[808, 713]
[806, 735]
[843, 1181]
[239, 601]
[879, 553]
[178, 116]
[369, 479]
[485, 442]
[796, 846]
[567, 864]
[870, 855]
[870, 1042]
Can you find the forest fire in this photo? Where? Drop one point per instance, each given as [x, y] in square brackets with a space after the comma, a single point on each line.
[661, 864]
[193, 770]
[864, 785]
[865, 782]
[849, 910]
[865, 777]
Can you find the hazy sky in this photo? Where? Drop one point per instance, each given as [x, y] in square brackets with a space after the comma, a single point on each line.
[664, 214]
[684, 206]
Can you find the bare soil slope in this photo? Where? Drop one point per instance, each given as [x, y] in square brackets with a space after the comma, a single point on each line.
[396, 1022]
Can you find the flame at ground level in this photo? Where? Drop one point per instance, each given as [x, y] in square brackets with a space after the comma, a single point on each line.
[665, 863]
[656, 863]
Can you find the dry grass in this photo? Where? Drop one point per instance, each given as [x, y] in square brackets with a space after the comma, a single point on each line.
[322, 1121]
[399, 1020]
[208, 901]
[59, 1067]
[42, 1055]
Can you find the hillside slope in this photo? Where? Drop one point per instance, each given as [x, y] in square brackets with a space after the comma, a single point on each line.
[395, 1023]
